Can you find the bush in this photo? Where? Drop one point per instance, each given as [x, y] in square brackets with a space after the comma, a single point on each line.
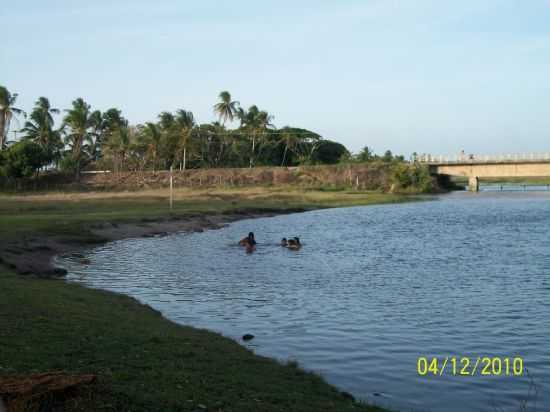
[68, 164]
[23, 159]
[329, 152]
[412, 178]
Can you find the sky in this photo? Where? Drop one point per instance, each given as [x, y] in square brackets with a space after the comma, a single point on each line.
[426, 76]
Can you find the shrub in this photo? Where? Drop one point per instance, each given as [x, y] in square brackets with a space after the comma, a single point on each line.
[68, 164]
[22, 159]
[412, 178]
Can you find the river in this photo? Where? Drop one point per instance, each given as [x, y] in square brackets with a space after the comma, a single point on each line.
[373, 289]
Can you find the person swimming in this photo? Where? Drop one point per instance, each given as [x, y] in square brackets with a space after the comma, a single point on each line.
[284, 242]
[294, 243]
[249, 242]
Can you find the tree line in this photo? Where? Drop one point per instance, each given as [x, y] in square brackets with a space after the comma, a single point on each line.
[87, 138]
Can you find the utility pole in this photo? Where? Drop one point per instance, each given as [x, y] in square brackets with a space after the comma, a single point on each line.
[171, 189]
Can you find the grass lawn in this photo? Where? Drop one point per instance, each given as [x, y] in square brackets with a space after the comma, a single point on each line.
[145, 362]
[59, 212]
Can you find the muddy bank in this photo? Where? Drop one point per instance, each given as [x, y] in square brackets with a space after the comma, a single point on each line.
[32, 254]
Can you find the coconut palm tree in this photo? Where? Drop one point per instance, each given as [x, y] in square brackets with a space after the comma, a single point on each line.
[39, 128]
[169, 138]
[98, 134]
[152, 135]
[226, 108]
[263, 123]
[103, 127]
[256, 122]
[118, 145]
[184, 123]
[7, 113]
[81, 125]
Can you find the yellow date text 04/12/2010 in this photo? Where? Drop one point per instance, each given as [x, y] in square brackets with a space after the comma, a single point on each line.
[470, 366]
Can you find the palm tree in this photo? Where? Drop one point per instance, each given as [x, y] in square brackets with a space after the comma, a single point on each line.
[103, 126]
[7, 112]
[39, 128]
[184, 122]
[226, 108]
[152, 136]
[256, 121]
[169, 138]
[82, 124]
[118, 145]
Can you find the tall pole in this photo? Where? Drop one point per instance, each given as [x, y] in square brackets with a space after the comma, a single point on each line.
[171, 189]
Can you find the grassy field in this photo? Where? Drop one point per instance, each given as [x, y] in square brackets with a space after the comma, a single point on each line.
[66, 213]
[144, 362]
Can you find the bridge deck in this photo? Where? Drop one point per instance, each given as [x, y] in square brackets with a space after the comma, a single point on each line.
[484, 159]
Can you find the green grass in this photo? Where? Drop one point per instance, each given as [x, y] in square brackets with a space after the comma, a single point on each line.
[145, 362]
[74, 213]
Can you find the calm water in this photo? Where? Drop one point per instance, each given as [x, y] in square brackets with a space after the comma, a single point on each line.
[372, 289]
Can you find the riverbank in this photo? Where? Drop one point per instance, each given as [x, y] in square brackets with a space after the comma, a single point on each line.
[37, 227]
[143, 361]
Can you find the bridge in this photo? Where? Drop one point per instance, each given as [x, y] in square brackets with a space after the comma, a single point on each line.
[475, 167]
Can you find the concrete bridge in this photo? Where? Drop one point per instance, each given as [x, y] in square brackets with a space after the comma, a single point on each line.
[475, 167]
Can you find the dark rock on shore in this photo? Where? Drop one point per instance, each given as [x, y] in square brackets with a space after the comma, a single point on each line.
[59, 272]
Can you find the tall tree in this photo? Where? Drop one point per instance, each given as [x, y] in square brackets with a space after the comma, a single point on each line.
[169, 138]
[7, 112]
[226, 108]
[104, 126]
[290, 141]
[81, 124]
[152, 136]
[118, 145]
[40, 128]
[255, 122]
[184, 123]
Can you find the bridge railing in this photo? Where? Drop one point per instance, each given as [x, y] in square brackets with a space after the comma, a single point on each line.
[474, 158]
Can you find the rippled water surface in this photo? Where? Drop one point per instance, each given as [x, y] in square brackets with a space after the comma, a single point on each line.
[372, 289]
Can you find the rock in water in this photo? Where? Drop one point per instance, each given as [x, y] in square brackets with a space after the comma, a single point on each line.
[248, 336]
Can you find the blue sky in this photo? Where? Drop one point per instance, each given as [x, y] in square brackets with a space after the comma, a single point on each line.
[429, 76]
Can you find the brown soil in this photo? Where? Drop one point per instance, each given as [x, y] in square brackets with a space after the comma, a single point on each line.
[40, 392]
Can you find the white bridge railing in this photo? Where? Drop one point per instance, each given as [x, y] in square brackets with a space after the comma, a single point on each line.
[473, 158]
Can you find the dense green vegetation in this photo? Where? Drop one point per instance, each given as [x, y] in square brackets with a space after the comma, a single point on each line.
[88, 138]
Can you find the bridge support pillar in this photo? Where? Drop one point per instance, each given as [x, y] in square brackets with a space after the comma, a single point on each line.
[473, 184]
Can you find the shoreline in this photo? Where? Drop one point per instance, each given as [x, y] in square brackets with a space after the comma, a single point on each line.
[34, 255]
[129, 345]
